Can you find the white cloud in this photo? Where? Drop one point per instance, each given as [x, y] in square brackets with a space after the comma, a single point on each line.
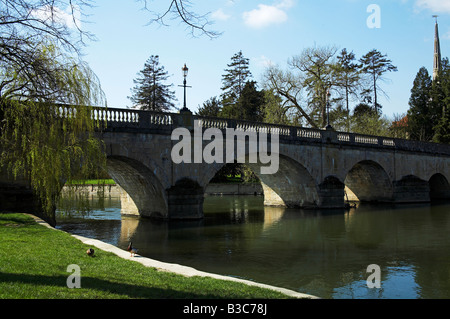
[286, 4]
[437, 6]
[220, 15]
[47, 13]
[263, 61]
[266, 15]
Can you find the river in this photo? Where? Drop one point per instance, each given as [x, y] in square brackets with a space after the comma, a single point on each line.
[325, 253]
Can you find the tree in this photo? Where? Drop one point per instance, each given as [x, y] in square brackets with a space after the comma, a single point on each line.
[181, 9]
[40, 65]
[399, 126]
[288, 86]
[421, 118]
[150, 92]
[440, 102]
[274, 111]
[305, 85]
[233, 82]
[347, 79]
[251, 102]
[315, 66]
[365, 120]
[375, 64]
[210, 107]
[40, 68]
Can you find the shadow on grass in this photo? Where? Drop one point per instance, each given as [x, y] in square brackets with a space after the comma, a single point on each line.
[95, 284]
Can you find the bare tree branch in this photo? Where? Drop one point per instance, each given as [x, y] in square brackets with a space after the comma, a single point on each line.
[181, 9]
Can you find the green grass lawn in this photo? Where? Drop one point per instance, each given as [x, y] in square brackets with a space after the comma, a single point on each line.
[34, 261]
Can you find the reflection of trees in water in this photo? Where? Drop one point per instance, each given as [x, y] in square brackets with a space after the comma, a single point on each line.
[82, 200]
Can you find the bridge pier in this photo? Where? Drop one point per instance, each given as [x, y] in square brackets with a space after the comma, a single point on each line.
[185, 200]
[331, 193]
[411, 189]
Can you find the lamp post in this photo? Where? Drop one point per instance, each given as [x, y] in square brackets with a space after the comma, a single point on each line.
[185, 73]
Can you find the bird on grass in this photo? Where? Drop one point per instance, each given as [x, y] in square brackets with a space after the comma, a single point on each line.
[90, 252]
[131, 249]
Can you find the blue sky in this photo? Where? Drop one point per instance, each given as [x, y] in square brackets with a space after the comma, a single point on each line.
[267, 31]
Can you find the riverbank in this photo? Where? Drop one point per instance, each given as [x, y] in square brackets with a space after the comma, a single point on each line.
[112, 189]
[34, 261]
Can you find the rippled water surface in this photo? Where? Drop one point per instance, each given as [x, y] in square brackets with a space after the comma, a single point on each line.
[319, 252]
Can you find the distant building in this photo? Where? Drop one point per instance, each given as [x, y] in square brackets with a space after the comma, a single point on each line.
[437, 52]
[399, 129]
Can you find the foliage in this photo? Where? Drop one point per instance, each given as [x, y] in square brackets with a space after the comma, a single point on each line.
[374, 65]
[210, 107]
[150, 92]
[314, 73]
[315, 67]
[274, 111]
[441, 101]
[428, 116]
[347, 78]
[249, 105]
[365, 120]
[235, 173]
[289, 87]
[235, 78]
[39, 70]
[421, 117]
[399, 126]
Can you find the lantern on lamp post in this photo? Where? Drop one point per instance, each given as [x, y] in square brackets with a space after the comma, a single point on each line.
[185, 71]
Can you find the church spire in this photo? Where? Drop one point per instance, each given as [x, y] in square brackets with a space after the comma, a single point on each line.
[437, 52]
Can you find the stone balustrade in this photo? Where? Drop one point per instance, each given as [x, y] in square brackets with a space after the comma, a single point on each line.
[165, 122]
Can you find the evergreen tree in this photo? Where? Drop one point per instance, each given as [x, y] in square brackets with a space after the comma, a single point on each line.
[211, 107]
[249, 106]
[375, 64]
[251, 102]
[420, 118]
[347, 79]
[440, 100]
[150, 92]
[234, 80]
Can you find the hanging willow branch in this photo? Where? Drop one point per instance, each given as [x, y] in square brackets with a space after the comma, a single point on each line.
[38, 141]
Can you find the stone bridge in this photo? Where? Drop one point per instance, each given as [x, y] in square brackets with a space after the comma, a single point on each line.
[316, 168]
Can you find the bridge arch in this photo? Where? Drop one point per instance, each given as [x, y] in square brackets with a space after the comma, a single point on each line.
[143, 186]
[369, 182]
[439, 187]
[291, 186]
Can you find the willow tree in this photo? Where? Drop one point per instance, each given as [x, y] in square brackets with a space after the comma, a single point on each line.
[41, 75]
[47, 132]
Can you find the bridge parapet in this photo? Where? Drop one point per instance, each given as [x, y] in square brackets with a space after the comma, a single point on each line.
[164, 123]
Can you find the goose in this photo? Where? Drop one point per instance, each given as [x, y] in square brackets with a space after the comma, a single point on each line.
[131, 249]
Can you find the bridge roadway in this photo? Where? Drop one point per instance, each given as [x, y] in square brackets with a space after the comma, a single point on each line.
[316, 168]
